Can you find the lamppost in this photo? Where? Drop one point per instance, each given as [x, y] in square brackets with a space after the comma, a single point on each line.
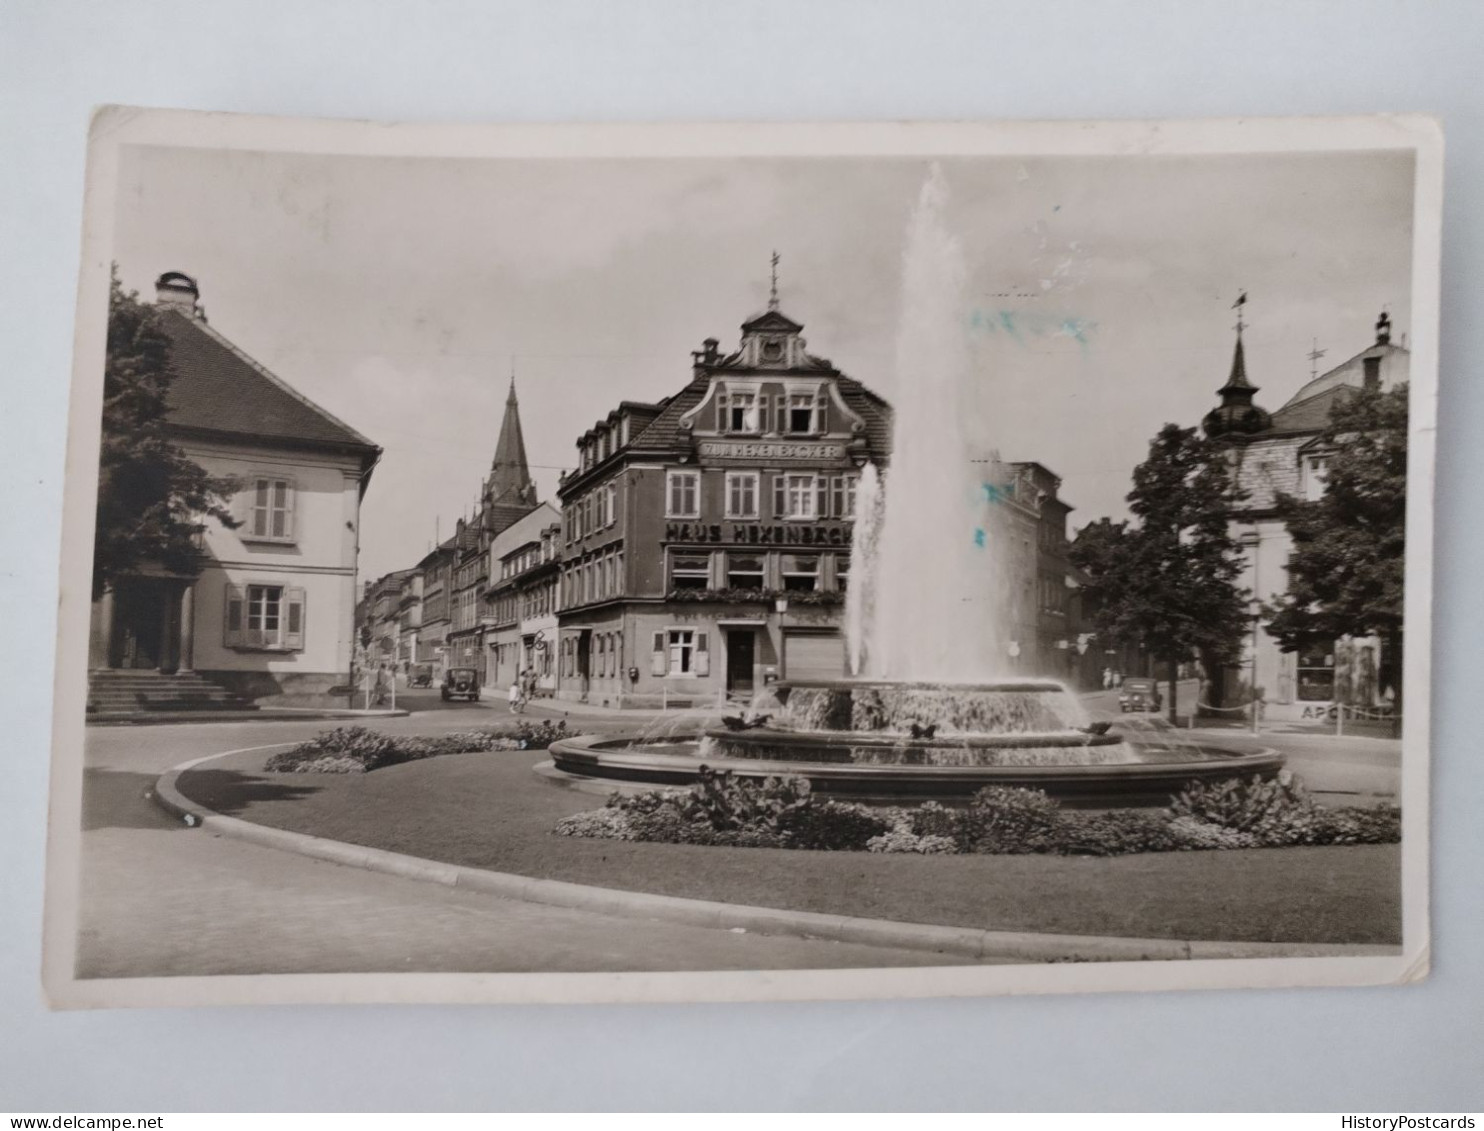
[1255, 609]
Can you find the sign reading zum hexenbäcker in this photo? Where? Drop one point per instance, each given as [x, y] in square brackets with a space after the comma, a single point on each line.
[822, 533]
[747, 449]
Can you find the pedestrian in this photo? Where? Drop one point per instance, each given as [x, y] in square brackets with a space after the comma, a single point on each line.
[1107, 678]
[517, 699]
[381, 685]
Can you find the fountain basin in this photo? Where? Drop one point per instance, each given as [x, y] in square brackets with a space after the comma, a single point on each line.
[634, 763]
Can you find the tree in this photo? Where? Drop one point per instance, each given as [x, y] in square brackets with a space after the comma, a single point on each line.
[1168, 581]
[151, 496]
[1346, 572]
[1096, 551]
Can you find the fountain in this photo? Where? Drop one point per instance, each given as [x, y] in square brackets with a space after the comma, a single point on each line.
[934, 708]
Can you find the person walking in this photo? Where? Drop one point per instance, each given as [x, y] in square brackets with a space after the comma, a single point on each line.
[517, 697]
[1107, 678]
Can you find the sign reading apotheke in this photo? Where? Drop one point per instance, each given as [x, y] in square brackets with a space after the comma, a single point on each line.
[822, 533]
[748, 449]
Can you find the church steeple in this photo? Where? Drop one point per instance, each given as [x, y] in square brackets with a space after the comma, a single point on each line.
[1237, 413]
[509, 492]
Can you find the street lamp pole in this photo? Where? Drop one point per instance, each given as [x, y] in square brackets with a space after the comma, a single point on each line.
[1252, 681]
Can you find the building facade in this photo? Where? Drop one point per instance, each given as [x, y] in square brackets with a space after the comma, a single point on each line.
[1277, 454]
[706, 539]
[271, 614]
[521, 602]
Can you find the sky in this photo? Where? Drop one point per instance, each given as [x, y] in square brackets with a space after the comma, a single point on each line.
[401, 294]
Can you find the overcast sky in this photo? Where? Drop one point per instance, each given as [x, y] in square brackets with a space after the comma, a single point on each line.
[400, 293]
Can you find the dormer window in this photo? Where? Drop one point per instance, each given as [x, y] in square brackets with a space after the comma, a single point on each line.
[742, 413]
[805, 413]
[773, 350]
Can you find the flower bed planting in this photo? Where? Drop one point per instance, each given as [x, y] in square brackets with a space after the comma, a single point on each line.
[357, 749]
[781, 813]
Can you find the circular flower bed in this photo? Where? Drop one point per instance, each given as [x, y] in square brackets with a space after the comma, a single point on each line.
[782, 813]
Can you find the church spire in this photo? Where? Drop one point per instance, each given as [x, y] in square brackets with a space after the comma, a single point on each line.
[510, 492]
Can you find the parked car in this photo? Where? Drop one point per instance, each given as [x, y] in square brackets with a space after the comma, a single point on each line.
[461, 683]
[422, 676]
[1139, 695]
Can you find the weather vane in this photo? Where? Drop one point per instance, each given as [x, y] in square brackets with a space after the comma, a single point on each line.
[773, 290]
[1238, 307]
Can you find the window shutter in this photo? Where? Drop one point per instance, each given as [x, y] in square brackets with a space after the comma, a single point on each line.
[293, 632]
[288, 509]
[780, 407]
[780, 496]
[657, 658]
[262, 508]
[822, 496]
[822, 414]
[236, 614]
[703, 657]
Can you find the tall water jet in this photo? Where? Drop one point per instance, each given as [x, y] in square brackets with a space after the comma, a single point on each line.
[937, 612]
[860, 597]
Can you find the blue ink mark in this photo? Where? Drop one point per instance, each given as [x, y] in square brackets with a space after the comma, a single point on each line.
[993, 494]
[979, 537]
[1007, 320]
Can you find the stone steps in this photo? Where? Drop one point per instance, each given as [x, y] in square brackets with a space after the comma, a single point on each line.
[119, 692]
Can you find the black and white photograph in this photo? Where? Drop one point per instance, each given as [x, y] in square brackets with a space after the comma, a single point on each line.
[723, 563]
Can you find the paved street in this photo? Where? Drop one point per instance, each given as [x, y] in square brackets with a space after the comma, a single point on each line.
[1344, 771]
[160, 899]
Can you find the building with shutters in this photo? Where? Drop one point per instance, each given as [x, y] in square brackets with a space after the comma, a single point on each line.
[270, 617]
[706, 538]
[1281, 453]
[521, 601]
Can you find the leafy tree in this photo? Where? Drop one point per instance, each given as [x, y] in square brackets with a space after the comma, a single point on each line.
[1346, 570]
[1096, 551]
[1168, 580]
[151, 496]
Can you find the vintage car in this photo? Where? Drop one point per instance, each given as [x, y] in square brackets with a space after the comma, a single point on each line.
[420, 676]
[461, 683]
[1139, 695]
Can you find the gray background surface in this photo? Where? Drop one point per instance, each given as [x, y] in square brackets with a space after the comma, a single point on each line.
[1416, 1048]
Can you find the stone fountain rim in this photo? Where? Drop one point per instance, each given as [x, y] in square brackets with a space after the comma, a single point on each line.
[923, 685]
[886, 740]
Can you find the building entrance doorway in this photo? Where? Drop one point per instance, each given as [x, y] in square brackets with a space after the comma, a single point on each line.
[741, 650]
[142, 629]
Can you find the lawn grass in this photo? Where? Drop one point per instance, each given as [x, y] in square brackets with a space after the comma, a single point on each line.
[491, 811]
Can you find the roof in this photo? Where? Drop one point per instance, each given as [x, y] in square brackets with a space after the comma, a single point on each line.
[218, 388]
[1312, 414]
[664, 430]
[524, 530]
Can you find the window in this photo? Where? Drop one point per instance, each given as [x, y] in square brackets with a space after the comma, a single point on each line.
[1316, 675]
[1371, 367]
[1316, 468]
[266, 617]
[742, 494]
[680, 651]
[690, 571]
[612, 504]
[800, 572]
[806, 413]
[271, 518]
[741, 413]
[842, 572]
[683, 494]
[744, 572]
[842, 496]
[797, 496]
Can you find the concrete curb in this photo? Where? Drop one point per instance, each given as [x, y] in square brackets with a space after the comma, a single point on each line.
[262, 715]
[965, 942]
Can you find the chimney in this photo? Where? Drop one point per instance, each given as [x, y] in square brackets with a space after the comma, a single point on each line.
[178, 291]
[711, 345]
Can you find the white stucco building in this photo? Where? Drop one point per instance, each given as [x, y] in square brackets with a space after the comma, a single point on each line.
[271, 615]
